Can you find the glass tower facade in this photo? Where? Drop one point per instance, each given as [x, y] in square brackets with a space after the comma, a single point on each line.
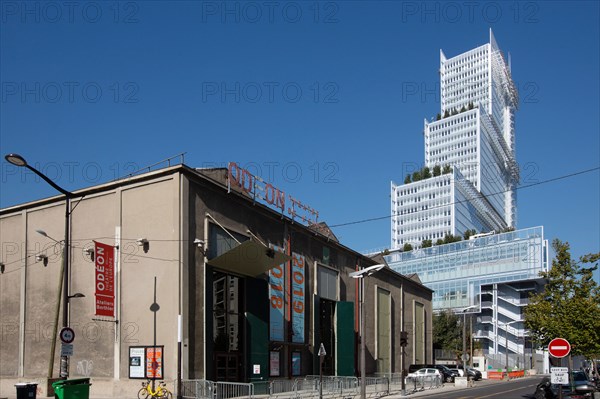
[474, 136]
[469, 183]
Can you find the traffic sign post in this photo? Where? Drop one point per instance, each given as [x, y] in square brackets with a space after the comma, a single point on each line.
[67, 335]
[559, 375]
[559, 347]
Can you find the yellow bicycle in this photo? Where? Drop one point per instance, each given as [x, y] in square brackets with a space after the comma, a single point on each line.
[161, 390]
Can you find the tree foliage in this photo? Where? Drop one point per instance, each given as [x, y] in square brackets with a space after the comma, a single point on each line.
[569, 305]
[447, 331]
[407, 247]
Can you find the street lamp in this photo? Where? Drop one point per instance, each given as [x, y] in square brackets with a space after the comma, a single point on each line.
[464, 348]
[361, 274]
[506, 340]
[18, 160]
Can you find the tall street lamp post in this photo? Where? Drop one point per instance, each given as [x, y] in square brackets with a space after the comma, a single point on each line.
[361, 274]
[464, 348]
[506, 340]
[19, 161]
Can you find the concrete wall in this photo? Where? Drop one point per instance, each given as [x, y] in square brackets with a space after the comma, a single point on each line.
[29, 291]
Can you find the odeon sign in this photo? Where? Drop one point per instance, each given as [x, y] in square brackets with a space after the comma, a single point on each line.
[257, 188]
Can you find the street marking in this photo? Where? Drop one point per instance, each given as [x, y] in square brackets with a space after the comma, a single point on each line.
[504, 392]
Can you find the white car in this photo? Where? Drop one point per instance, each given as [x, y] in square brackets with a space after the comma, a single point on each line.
[425, 373]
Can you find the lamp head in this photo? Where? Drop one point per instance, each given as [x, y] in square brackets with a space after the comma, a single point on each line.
[16, 159]
[367, 271]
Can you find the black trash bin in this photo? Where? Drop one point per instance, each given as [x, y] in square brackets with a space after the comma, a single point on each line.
[72, 389]
[26, 390]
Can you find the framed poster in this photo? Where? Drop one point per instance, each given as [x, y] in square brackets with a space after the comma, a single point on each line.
[144, 364]
[274, 361]
[296, 363]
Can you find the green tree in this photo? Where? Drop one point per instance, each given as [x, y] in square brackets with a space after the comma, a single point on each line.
[426, 173]
[426, 243]
[470, 105]
[407, 247]
[438, 117]
[468, 233]
[450, 238]
[447, 332]
[407, 179]
[569, 305]
[463, 109]
[416, 176]
[447, 169]
[446, 114]
[437, 170]
[439, 242]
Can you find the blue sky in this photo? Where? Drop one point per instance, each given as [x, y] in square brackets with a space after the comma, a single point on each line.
[324, 99]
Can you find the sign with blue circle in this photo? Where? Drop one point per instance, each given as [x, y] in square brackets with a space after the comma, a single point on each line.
[67, 335]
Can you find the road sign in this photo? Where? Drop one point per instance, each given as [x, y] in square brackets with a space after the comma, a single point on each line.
[559, 375]
[559, 347]
[66, 349]
[322, 350]
[67, 335]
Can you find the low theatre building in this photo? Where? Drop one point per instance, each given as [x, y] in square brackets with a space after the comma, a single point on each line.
[193, 274]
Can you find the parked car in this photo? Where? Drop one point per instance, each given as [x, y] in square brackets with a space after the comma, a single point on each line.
[447, 375]
[460, 372]
[583, 388]
[471, 372]
[425, 372]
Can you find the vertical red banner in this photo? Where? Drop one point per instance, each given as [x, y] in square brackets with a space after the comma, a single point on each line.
[105, 279]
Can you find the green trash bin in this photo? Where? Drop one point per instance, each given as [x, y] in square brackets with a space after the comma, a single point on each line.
[72, 389]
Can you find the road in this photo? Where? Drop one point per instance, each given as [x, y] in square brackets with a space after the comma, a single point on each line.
[522, 388]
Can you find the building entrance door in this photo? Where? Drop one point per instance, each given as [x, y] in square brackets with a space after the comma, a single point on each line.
[228, 327]
[227, 366]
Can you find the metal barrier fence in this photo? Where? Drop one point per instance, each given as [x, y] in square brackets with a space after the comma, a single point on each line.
[306, 387]
[379, 385]
[203, 389]
[423, 382]
[197, 389]
[393, 378]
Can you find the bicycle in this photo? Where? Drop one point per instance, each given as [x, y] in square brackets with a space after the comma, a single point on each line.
[161, 391]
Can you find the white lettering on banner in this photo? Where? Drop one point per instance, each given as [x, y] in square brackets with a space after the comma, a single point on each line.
[105, 289]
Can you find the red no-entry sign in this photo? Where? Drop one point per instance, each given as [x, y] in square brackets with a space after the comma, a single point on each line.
[559, 347]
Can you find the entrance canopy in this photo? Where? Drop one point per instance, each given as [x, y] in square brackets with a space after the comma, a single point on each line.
[250, 258]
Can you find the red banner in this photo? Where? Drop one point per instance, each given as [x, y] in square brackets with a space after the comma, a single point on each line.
[105, 279]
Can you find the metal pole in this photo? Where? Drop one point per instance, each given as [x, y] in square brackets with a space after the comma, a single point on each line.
[464, 339]
[506, 347]
[55, 328]
[64, 362]
[363, 379]
[321, 377]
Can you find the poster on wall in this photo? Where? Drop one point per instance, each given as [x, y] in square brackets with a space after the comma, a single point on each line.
[298, 298]
[276, 299]
[274, 363]
[296, 363]
[104, 279]
[137, 365]
[154, 363]
[143, 363]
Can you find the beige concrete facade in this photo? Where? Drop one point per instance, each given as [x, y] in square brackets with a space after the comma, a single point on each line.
[170, 208]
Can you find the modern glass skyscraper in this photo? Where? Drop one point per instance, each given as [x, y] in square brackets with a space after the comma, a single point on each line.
[469, 183]
[473, 141]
